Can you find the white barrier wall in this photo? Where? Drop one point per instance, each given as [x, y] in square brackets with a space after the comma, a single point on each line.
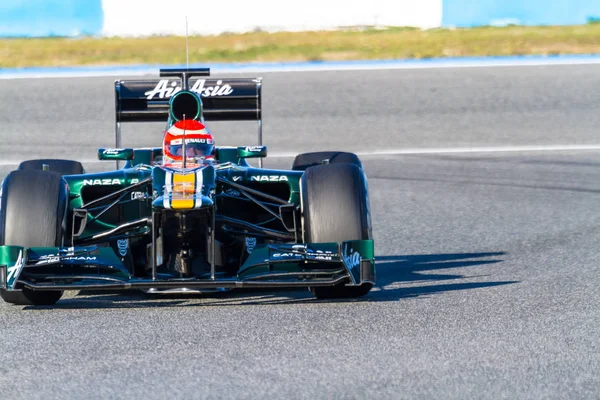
[40, 18]
[151, 17]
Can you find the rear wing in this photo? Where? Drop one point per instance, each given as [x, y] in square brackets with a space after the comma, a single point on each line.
[223, 99]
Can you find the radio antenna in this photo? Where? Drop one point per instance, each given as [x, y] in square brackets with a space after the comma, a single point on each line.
[187, 48]
[183, 144]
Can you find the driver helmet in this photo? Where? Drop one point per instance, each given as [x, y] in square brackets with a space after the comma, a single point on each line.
[198, 142]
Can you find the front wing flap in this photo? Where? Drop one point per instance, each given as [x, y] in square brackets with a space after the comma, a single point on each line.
[355, 258]
[281, 265]
[50, 265]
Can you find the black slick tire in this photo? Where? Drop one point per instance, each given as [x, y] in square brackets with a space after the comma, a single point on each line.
[63, 167]
[306, 160]
[33, 209]
[335, 207]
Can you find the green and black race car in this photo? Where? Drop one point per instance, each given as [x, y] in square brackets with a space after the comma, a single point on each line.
[134, 228]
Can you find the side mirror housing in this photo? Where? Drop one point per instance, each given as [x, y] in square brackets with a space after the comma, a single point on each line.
[252, 151]
[115, 154]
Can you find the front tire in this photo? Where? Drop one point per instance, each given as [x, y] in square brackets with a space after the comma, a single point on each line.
[33, 211]
[335, 207]
[63, 167]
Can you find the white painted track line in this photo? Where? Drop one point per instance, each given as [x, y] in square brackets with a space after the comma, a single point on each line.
[417, 151]
[352, 65]
[463, 150]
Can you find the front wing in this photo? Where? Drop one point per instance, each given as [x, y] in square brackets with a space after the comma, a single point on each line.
[268, 266]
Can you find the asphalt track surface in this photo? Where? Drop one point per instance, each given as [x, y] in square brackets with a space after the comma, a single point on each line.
[488, 263]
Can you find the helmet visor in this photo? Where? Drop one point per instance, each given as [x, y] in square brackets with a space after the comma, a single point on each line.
[191, 149]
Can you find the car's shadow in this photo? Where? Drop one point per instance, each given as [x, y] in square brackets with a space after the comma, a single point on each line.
[412, 275]
[398, 277]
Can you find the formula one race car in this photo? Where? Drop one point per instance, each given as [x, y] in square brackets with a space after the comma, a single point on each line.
[203, 223]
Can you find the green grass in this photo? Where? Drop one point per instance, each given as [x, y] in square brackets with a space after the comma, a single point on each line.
[390, 43]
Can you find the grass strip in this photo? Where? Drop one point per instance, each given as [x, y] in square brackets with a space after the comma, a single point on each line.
[351, 44]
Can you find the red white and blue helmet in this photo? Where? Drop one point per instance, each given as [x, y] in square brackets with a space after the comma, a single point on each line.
[198, 141]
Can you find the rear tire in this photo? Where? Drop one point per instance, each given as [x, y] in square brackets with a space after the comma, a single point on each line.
[63, 167]
[33, 211]
[306, 160]
[335, 207]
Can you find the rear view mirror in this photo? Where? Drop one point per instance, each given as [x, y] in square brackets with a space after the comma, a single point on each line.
[115, 154]
[252, 151]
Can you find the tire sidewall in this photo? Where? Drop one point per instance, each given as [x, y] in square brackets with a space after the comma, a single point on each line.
[59, 209]
[362, 196]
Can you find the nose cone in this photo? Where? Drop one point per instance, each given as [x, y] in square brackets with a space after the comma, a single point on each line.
[183, 189]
